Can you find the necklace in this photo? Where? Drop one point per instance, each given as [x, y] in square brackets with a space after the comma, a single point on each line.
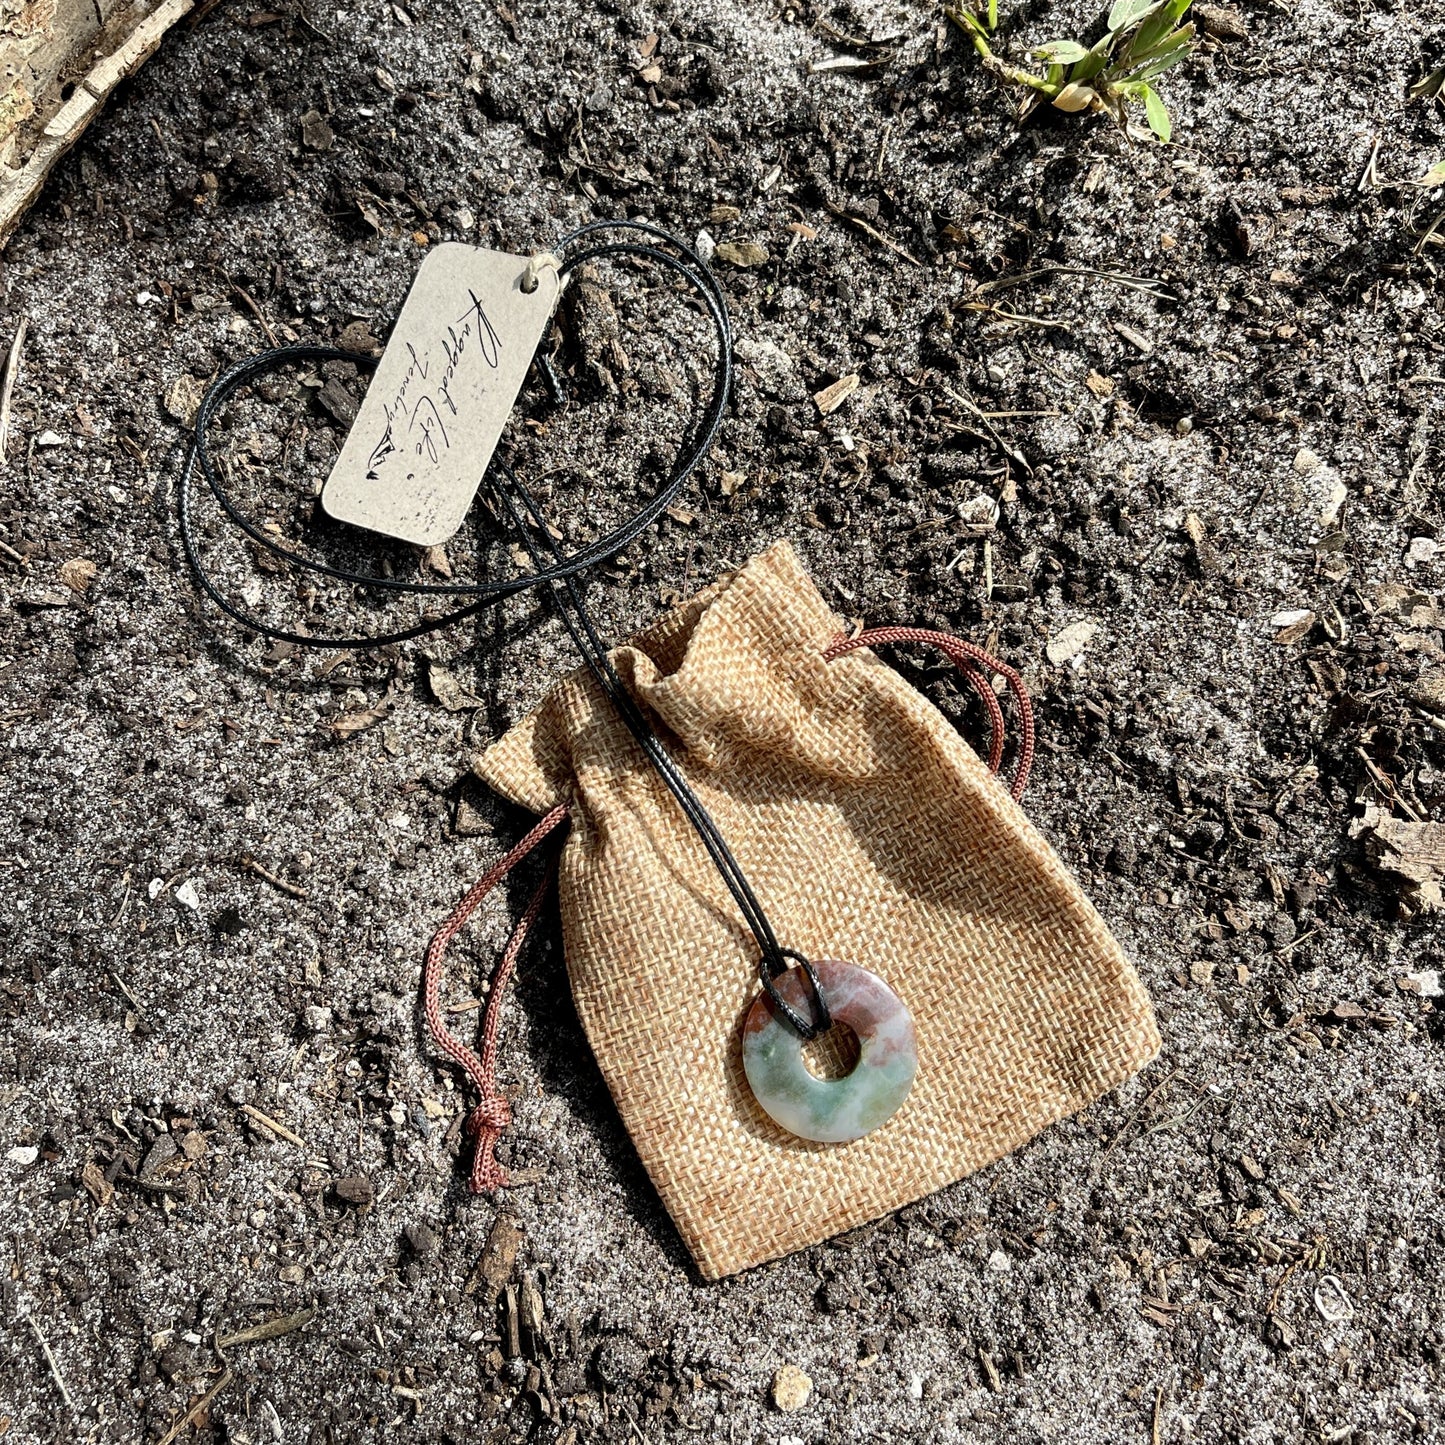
[800, 998]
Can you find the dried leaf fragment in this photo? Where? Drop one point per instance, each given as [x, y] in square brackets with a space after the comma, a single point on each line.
[316, 135]
[1069, 642]
[78, 574]
[742, 253]
[1223, 22]
[499, 1255]
[448, 691]
[183, 399]
[358, 720]
[1075, 97]
[832, 397]
[96, 1184]
[1294, 626]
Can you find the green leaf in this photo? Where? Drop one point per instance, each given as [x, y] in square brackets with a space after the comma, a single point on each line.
[992, 15]
[1094, 62]
[1062, 52]
[1435, 176]
[1169, 55]
[1158, 116]
[1178, 37]
[1156, 27]
[1127, 12]
[1055, 75]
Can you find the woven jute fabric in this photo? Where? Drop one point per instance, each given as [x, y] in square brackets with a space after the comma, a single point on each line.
[871, 833]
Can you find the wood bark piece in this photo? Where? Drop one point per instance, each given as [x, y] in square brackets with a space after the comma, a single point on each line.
[1412, 854]
[59, 62]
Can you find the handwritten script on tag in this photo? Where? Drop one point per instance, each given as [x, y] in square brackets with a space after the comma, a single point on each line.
[442, 393]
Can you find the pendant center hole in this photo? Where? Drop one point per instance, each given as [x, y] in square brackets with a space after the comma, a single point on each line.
[833, 1055]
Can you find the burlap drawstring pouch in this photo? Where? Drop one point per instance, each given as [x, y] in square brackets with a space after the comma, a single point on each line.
[874, 834]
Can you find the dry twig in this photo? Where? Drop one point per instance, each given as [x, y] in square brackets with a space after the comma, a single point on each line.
[252, 866]
[7, 384]
[273, 1125]
[50, 1360]
[876, 234]
[194, 1412]
[268, 1330]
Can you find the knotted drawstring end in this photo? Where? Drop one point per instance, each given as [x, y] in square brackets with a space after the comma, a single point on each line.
[492, 1116]
[486, 1124]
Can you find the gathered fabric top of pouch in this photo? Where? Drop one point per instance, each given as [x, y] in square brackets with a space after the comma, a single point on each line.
[736, 672]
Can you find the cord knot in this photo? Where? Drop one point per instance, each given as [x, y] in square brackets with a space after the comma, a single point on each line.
[492, 1116]
[486, 1124]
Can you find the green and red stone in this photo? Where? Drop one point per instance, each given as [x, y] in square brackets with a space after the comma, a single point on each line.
[832, 1111]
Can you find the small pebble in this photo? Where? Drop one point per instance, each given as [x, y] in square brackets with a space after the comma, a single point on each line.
[791, 1389]
[423, 1240]
[1421, 550]
[355, 1190]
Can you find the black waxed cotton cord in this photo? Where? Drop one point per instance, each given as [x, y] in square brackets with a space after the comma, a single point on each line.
[553, 571]
[594, 652]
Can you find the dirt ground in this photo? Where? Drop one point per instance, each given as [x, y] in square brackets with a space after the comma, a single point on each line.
[1233, 475]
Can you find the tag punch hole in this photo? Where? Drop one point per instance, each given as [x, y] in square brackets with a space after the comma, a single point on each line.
[532, 272]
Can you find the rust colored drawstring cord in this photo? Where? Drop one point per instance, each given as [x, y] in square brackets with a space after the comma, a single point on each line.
[970, 659]
[492, 1114]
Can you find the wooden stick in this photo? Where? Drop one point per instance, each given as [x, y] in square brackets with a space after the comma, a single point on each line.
[270, 1330]
[196, 1409]
[272, 1124]
[252, 866]
[70, 70]
[7, 384]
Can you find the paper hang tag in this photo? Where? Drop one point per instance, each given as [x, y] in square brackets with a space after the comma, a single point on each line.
[442, 392]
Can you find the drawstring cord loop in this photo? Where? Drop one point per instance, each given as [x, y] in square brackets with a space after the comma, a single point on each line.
[974, 662]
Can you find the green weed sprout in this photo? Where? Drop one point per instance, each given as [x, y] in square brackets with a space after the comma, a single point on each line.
[1144, 39]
